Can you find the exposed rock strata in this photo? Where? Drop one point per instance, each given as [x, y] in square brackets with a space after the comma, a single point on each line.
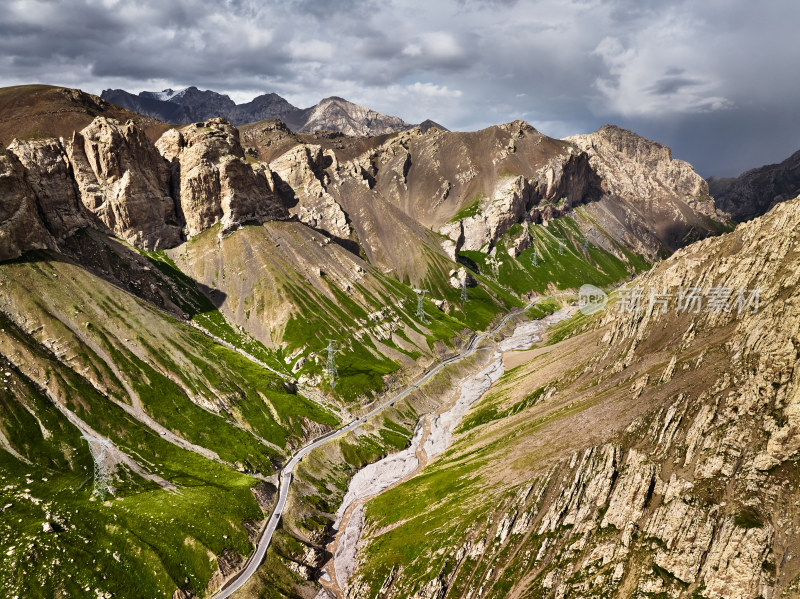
[124, 182]
[212, 180]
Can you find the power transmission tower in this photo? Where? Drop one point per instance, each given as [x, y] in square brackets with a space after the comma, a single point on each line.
[421, 316]
[536, 257]
[585, 246]
[560, 245]
[464, 288]
[330, 367]
[102, 477]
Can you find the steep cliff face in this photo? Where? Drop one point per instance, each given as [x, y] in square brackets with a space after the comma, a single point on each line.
[754, 192]
[48, 173]
[665, 191]
[212, 180]
[21, 228]
[653, 454]
[124, 182]
[301, 171]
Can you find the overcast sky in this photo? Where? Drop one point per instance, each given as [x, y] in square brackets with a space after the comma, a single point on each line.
[717, 80]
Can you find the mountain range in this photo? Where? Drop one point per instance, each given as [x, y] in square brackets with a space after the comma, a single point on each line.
[193, 105]
[186, 307]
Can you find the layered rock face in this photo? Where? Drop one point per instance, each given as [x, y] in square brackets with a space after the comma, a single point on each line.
[111, 177]
[124, 182]
[21, 228]
[301, 170]
[48, 172]
[675, 476]
[632, 167]
[212, 180]
[664, 190]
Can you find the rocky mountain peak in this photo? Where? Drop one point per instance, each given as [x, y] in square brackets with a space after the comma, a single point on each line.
[124, 182]
[212, 180]
[195, 105]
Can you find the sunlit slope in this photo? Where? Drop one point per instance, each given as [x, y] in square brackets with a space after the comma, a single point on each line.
[293, 289]
[187, 418]
[642, 454]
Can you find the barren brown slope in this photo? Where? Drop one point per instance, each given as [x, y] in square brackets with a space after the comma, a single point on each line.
[45, 111]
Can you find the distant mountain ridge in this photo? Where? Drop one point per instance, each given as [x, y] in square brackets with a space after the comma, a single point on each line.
[195, 105]
[757, 190]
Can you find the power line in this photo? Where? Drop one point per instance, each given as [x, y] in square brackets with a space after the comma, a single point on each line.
[102, 476]
[421, 316]
[330, 367]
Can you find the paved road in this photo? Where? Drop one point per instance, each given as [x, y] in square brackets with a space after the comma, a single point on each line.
[265, 539]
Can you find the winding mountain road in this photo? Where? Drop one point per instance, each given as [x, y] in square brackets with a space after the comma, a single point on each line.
[254, 561]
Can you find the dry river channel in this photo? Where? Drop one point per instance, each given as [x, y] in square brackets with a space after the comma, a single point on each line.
[431, 437]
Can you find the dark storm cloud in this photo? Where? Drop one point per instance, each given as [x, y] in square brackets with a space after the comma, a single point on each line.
[715, 80]
[673, 84]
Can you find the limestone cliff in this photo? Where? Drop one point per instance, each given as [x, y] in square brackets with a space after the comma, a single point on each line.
[48, 173]
[124, 182]
[21, 228]
[665, 191]
[212, 180]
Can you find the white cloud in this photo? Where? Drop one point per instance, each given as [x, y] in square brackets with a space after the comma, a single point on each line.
[432, 90]
[312, 50]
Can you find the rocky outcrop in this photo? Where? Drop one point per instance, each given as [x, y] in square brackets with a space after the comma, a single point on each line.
[756, 191]
[49, 174]
[213, 181]
[21, 229]
[303, 182]
[635, 169]
[124, 183]
[665, 194]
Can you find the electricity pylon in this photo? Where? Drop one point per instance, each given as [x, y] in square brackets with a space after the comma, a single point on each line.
[421, 316]
[102, 477]
[464, 288]
[536, 257]
[330, 367]
[560, 245]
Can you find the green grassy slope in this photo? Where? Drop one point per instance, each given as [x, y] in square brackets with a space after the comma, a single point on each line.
[71, 337]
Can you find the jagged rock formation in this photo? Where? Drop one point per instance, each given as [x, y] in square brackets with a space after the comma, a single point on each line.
[756, 191]
[192, 104]
[48, 173]
[337, 114]
[124, 182]
[213, 181]
[663, 190]
[111, 177]
[301, 172]
[663, 465]
[20, 226]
